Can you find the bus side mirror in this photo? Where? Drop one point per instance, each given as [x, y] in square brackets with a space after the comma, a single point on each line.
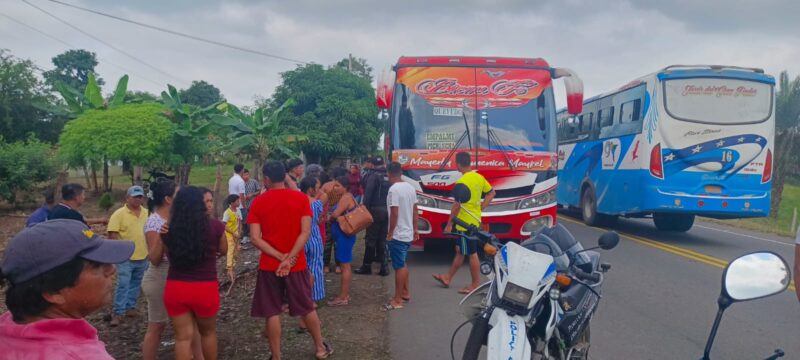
[383, 94]
[574, 86]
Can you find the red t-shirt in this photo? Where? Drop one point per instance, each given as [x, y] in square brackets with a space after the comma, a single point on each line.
[279, 212]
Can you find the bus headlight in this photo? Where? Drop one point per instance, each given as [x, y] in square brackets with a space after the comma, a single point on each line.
[517, 295]
[535, 224]
[542, 199]
[426, 201]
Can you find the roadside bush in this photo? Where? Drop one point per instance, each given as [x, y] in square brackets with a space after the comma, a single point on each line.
[23, 164]
[106, 201]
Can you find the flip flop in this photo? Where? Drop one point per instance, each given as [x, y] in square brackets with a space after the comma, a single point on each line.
[389, 307]
[465, 291]
[339, 302]
[406, 299]
[328, 351]
[441, 281]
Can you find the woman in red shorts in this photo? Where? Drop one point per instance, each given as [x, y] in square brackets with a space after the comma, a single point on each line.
[193, 243]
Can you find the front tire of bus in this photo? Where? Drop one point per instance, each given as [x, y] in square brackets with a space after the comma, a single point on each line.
[673, 222]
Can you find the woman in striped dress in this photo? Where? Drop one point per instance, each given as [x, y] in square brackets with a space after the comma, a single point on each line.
[314, 249]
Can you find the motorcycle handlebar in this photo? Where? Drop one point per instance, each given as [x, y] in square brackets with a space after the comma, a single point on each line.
[581, 275]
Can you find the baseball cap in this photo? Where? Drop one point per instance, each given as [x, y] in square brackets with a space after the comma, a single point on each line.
[135, 190]
[45, 246]
[377, 160]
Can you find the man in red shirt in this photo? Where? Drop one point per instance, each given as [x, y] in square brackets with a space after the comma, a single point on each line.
[280, 224]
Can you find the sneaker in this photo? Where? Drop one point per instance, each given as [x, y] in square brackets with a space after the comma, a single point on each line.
[384, 271]
[116, 320]
[363, 270]
[132, 313]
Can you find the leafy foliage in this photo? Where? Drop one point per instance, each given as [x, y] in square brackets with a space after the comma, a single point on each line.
[72, 68]
[334, 109]
[138, 133]
[106, 201]
[262, 133]
[356, 66]
[91, 98]
[201, 94]
[23, 164]
[787, 102]
[787, 139]
[22, 97]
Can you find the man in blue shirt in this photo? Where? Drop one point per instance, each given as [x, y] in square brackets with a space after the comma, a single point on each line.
[40, 215]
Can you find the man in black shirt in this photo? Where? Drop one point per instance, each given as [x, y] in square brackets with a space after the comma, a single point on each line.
[73, 196]
[376, 188]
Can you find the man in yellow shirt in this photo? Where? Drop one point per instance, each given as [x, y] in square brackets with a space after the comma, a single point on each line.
[127, 223]
[469, 212]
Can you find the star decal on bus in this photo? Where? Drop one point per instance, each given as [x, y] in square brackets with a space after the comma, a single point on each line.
[697, 149]
[669, 157]
[721, 143]
[741, 139]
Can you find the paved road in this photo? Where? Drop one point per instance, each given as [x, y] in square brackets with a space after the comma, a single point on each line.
[659, 299]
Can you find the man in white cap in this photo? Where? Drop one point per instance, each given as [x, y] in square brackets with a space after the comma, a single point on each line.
[128, 223]
[57, 273]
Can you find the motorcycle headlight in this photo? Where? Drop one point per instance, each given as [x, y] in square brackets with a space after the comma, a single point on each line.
[542, 199]
[517, 295]
[426, 201]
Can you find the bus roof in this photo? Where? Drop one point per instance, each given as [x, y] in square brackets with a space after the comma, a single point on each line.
[406, 61]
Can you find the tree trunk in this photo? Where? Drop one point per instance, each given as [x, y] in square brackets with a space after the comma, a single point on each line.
[61, 179]
[256, 172]
[106, 184]
[182, 175]
[219, 202]
[86, 175]
[137, 175]
[94, 180]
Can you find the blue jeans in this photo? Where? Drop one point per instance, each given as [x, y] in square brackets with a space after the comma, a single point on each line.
[129, 284]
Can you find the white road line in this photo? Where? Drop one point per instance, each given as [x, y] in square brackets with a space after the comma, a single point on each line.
[745, 235]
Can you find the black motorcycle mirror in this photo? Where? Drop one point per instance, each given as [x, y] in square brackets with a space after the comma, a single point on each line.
[749, 277]
[607, 241]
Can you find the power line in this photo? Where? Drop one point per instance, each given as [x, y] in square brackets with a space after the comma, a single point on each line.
[176, 33]
[105, 43]
[71, 46]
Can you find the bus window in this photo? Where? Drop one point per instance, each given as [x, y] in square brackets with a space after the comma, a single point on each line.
[630, 111]
[606, 117]
[581, 130]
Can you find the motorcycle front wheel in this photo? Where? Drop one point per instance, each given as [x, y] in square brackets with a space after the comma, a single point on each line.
[477, 337]
[581, 349]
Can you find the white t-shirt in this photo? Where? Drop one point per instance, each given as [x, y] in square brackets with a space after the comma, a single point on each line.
[403, 196]
[236, 185]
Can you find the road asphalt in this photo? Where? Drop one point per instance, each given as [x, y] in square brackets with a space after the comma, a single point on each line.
[659, 299]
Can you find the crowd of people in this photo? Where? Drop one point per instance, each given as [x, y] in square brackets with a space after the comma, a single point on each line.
[57, 271]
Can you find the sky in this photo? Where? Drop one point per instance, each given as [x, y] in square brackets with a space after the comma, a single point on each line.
[607, 43]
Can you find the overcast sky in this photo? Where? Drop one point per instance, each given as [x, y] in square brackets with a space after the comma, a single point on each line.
[608, 43]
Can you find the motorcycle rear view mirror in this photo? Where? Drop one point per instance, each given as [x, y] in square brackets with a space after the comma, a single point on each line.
[461, 193]
[609, 240]
[749, 277]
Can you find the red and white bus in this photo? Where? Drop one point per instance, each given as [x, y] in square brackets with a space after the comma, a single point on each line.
[500, 110]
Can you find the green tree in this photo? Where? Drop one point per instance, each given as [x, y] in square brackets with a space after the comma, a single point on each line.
[73, 68]
[334, 108]
[201, 94]
[356, 66]
[91, 98]
[262, 134]
[23, 164]
[22, 97]
[140, 96]
[137, 133]
[787, 138]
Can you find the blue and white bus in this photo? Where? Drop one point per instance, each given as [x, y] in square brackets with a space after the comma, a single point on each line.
[681, 142]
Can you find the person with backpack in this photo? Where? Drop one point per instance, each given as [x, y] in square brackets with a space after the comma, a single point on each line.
[376, 189]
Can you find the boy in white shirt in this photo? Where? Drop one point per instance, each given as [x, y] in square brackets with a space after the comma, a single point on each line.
[403, 217]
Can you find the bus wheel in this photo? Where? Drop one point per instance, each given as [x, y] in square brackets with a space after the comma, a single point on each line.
[589, 208]
[673, 222]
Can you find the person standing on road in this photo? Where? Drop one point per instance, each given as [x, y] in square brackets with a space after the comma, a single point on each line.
[40, 215]
[73, 196]
[314, 249]
[251, 190]
[334, 191]
[236, 184]
[354, 177]
[280, 225]
[403, 217]
[128, 223]
[233, 232]
[294, 172]
[470, 213]
[376, 189]
[56, 274]
[191, 296]
[344, 244]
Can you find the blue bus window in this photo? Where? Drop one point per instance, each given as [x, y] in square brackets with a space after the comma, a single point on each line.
[630, 111]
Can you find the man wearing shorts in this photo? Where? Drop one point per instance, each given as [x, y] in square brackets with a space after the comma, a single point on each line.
[470, 213]
[280, 225]
[402, 205]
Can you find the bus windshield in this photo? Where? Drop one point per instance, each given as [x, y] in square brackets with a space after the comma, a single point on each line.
[718, 101]
[422, 122]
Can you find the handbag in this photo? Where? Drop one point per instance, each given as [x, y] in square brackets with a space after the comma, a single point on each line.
[355, 220]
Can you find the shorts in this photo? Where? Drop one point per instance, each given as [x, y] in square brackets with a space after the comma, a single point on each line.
[198, 297]
[398, 251]
[344, 245]
[153, 283]
[271, 291]
[467, 246]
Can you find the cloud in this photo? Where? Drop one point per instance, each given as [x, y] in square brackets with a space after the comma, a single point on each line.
[607, 43]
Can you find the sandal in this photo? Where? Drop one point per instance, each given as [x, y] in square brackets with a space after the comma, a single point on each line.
[389, 307]
[328, 351]
[339, 302]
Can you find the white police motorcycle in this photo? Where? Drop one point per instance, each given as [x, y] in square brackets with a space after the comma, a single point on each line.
[539, 300]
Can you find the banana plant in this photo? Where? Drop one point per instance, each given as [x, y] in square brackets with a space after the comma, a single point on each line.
[91, 98]
[260, 134]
